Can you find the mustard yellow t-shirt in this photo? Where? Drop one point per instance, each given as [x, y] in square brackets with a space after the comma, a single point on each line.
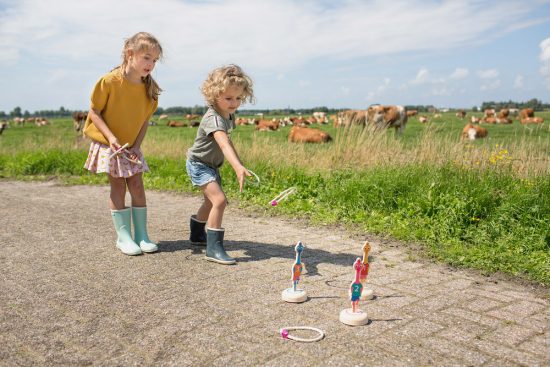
[124, 107]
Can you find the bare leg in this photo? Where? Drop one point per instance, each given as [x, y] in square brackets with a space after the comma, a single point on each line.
[214, 193]
[137, 190]
[118, 192]
[204, 210]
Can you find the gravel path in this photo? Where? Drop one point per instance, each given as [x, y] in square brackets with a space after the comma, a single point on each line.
[69, 297]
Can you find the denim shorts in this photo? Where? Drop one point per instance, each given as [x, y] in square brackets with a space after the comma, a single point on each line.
[201, 174]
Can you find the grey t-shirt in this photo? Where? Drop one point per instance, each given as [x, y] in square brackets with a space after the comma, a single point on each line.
[205, 149]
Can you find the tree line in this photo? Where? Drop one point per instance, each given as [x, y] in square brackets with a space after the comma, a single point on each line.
[533, 103]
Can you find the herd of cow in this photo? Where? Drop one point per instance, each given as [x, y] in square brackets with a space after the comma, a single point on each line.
[377, 116]
[473, 131]
[38, 121]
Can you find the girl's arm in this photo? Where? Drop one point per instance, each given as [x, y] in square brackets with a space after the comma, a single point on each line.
[97, 120]
[141, 135]
[230, 154]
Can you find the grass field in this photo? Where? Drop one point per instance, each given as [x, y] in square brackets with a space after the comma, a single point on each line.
[482, 204]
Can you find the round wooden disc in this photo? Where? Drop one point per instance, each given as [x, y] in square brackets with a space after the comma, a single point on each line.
[367, 294]
[353, 319]
[289, 295]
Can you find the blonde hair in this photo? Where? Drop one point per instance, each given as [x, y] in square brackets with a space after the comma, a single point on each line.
[142, 42]
[221, 78]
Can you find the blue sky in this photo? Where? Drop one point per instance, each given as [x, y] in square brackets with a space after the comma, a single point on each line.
[300, 54]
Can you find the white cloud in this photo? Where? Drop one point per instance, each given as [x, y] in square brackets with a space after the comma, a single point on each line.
[275, 37]
[422, 77]
[488, 74]
[490, 85]
[378, 90]
[545, 50]
[459, 73]
[545, 60]
[262, 33]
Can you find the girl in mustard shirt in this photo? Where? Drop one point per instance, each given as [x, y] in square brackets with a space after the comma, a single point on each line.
[122, 103]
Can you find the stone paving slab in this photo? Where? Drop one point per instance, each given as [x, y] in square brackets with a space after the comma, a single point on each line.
[69, 297]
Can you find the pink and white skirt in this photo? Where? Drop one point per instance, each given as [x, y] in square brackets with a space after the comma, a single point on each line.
[98, 161]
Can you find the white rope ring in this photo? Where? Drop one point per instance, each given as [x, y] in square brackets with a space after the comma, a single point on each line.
[286, 335]
[283, 195]
[257, 183]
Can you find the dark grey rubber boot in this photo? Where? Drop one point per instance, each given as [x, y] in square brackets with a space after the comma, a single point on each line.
[214, 247]
[198, 234]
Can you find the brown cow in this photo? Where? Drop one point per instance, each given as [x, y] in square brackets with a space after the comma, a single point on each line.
[241, 121]
[475, 120]
[351, 117]
[411, 113]
[503, 113]
[174, 123]
[308, 135]
[460, 114]
[488, 120]
[387, 116]
[526, 112]
[423, 119]
[489, 112]
[267, 125]
[78, 120]
[473, 132]
[504, 120]
[532, 120]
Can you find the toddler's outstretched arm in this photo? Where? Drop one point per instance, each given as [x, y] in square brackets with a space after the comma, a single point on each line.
[232, 157]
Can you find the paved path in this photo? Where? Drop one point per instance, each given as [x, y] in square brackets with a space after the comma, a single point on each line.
[68, 297]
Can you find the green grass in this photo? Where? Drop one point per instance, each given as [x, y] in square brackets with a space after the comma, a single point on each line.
[482, 205]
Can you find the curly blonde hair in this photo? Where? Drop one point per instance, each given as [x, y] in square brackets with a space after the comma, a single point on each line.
[221, 78]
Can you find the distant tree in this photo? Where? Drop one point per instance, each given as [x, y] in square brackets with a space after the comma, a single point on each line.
[16, 112]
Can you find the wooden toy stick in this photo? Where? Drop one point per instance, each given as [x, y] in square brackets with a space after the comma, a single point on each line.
[298, 266]
[356, 287]
[118, 150]
[365, 268]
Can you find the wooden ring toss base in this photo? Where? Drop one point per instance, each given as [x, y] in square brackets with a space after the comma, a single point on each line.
[294, 296]
[348, 317]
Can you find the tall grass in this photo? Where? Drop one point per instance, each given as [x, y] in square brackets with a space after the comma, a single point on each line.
[362, 148]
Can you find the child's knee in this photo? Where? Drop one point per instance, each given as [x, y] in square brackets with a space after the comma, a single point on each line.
[220, 203]
[135, 186]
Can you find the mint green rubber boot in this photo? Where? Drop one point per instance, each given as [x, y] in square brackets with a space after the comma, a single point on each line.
[139, 215]
[123, 223]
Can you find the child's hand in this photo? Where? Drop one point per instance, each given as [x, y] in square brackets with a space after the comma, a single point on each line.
[132, 153]
[114, 144]
[241, 175]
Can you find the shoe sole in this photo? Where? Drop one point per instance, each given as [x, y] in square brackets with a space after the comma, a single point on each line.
[130, 253]
[220, 261]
